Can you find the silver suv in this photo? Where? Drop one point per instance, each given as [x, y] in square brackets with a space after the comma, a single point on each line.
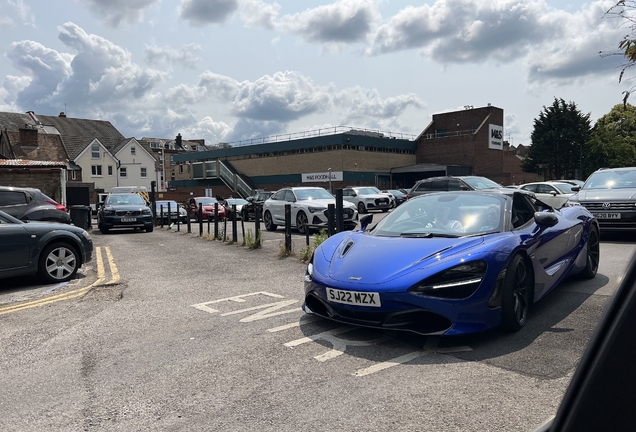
[366, 198]
[610, 195]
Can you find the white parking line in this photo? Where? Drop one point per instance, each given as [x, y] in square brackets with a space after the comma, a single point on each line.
[292, 325]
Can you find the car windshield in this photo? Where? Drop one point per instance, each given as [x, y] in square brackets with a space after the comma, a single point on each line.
[235, 201]
[481, 182]
[611, 180]
[164, 204]
[565, 188]
[367, 191]
[395, 192]
[312, 194]
[443, 215]
[208, 201]
[132, 199]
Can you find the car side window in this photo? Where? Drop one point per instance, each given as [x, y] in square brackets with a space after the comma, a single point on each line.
[531, 188]
[424, 186]
[8, 198]
[523, 208]
[439, 185]
[454, 185]
[289, 196]
[280, 195]
[546, 189]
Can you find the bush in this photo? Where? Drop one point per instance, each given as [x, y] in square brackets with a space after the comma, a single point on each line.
[307, 252]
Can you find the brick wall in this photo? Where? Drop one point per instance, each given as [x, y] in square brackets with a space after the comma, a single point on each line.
[47, 180]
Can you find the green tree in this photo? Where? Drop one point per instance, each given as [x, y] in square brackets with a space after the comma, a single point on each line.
[558, 141]
[612, 142]
[624, 10]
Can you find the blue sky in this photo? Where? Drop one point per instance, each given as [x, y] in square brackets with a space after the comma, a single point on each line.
[226, 70]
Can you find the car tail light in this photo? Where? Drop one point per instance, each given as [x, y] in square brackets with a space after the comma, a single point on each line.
[408, 196]
[57, 205]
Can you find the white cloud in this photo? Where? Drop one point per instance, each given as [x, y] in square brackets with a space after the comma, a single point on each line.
[15, 12]
[186, 57]
[113, 12]
[204, 12]
[257, 13]
[343, 22]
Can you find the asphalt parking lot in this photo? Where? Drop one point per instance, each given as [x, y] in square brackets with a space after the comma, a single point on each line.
[178, 332]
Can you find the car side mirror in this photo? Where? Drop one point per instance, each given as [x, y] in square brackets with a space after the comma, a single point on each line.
[576, 188]
[546, 219]
[464, 188]
[553, 193]
[365, 221]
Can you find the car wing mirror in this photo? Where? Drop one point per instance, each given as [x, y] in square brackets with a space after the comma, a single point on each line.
[546, 219]
[576, 188]
[553, 193]
[365, 221]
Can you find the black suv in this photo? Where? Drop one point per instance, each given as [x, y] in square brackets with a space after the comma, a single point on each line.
[610, 195]
[31, 204]
[253, 203]
[451, 183]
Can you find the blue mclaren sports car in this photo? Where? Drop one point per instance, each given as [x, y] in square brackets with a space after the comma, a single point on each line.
[451, 263]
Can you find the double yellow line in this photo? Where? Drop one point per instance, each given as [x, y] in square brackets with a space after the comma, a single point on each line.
[101, 277]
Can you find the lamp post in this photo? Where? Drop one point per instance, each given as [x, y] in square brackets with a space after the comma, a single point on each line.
[329, 171]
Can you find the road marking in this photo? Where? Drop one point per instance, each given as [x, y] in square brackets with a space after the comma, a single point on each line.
[113, 268]
[101, 275]
[317, 336]
[302, 321]
[269, 312]
[237, 299]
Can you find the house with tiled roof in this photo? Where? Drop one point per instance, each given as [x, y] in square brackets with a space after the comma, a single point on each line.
[137, 164]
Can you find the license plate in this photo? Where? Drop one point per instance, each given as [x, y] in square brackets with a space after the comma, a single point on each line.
[129, 219]
[354, 297]
[607, 215]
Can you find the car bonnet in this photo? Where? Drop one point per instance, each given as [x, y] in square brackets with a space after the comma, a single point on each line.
[364, 256]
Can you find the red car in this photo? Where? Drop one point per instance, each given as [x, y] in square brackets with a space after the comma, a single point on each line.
[207, 208]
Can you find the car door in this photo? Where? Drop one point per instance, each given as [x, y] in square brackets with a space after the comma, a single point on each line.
[549, 195]
[193, 208]
[276, 206]
[15, 202]
[14, 245]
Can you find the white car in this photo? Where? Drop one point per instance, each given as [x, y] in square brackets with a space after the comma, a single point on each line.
[308, 206]
[366, 198]
[174, 208]
[553, 193]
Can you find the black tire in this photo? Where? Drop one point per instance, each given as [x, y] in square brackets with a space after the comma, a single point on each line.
[593, 255]
[385, 210]
[58, 263]
[103, 230]
[149, 228]
[361, 208]
[301, 222]
[269, 222]
[517, 294]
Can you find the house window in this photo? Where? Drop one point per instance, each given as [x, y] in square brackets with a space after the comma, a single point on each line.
[95, 151]
[144, 173]
[173, 176]
[110, 170]
[133, 150]
[172, 162]
[73, 175]
[180, 168]
[96, 170]
[123, 172]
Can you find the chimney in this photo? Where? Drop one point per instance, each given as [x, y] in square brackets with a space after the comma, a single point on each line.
[34, 118]
[178, 141]
[28, 137]
[62, 114]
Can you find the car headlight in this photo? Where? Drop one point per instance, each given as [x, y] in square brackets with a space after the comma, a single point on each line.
[147, 211]
[572, 203]
[315, 209]
[108, 212]
[457, 282]
[86, 235]
[309, 272]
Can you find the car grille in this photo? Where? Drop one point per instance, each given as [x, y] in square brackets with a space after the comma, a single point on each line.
[346, 213]
[382, 201]
[598, 205]
[127, 213]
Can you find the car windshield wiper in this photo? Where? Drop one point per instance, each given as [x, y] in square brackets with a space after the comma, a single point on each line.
[426, 234]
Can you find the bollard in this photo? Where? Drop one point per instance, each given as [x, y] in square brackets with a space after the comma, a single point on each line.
[257, 225]
[189, 224]
[169, 216]
[288, 238]
[339, 211]
[234, 229]
[216, 220]
[161, 216]
[330, 216]
[200, 220]
[225, 228]
[178, 218]
[209, 220]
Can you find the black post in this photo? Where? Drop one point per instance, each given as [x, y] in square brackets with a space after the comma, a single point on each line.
[339, 211]
[169, 215]
[153, 187]
[161, 214]
[234, 227]
[209, 220]
[288, 238]
[178, 218]
[200, 220]
[216, 220]
[225, 228]
[189, 224]
[331, 221]
[257, 224]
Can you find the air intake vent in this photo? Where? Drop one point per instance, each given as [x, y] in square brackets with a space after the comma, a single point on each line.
[347, 248]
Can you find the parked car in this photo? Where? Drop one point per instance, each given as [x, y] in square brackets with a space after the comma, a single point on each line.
[366, 198]
[579, 183]
[397, 194]
[207, 208]
[451, 183]
[238, 202]
[255, 203]
[553, 193]
[308, 206]
[31, 204]
[177, 211]
[140, 190]
[51, 250]
[610, 194]
[124, 210]
[101, 197]
[442, 264]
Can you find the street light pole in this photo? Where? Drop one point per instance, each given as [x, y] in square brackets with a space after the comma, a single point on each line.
[329, 171]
